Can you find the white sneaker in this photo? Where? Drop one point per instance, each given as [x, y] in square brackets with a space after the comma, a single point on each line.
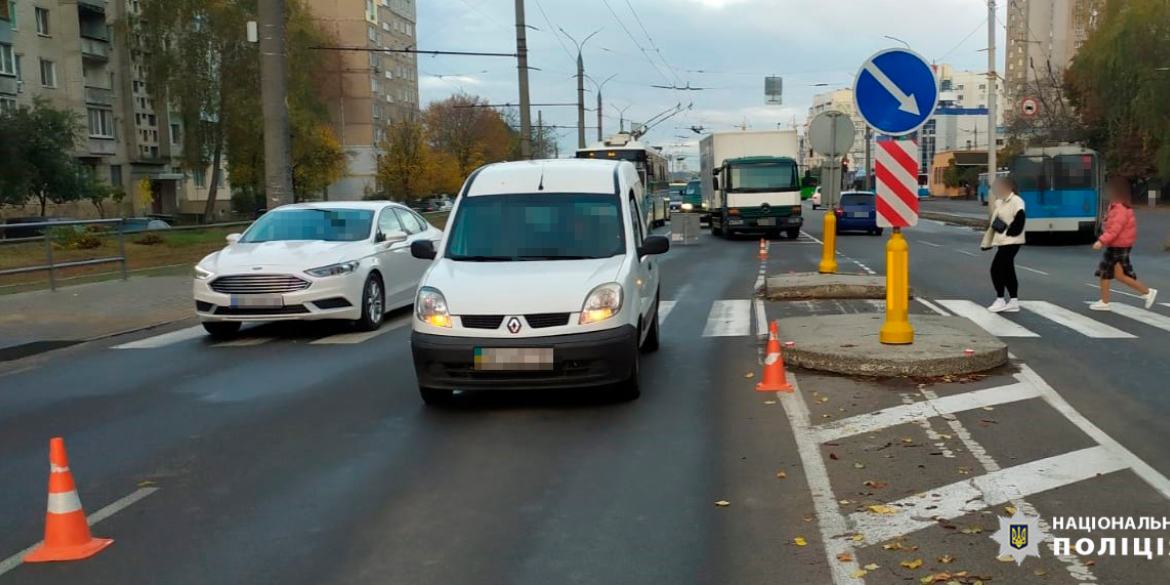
[1013, 306]
[1150, 296]
[1100, 306]
[998, 306]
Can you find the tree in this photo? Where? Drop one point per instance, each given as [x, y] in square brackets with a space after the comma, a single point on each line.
[99, 192]
[317, 159]
[1120, 88]
[411, 169]
[37, 156]
[472, 134]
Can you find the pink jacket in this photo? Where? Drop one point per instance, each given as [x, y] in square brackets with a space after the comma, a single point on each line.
[1120, 227]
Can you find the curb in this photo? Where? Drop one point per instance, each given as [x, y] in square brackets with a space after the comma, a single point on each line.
[954, 219]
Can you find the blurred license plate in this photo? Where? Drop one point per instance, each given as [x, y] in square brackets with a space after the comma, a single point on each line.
[859, 214]
[257, 301]
[520, 358]
[767, 221]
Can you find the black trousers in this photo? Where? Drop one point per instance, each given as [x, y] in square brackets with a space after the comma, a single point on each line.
[1003, 271]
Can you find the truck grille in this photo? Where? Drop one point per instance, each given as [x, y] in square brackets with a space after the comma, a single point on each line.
[251, 284]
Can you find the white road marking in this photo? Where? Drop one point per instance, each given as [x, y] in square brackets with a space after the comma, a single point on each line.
[1075, 321]
[1115, 291]
[245, 342]
[811, 237]
[932, 306]
[761, 318]
[15, 560]
[1143, 470]
[967, 253]
[927, 427]
[1165, 304]
[990, 322]
[729, 319]
[664, 309]
[990, 489]
[832, 524]
[877, 305]
[932, 244]
[1141, 315]
[165, 339]
[907, 413]
[362, 336]
[1041, 272]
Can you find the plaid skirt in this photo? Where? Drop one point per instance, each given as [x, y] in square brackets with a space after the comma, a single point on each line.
[1114, 257]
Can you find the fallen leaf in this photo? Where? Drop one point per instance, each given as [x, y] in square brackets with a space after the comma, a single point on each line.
[781, 475]
[1039, 572]
[826, 416]
[1090, 563]
[988, 408]
[1005, 559]
[858, 465]
[946, 559]
[883, 509]
[749, 375]
[769, 402]
[807, 519]
[1011, 510]
[845, 557]
[944, 437]
[893, 546]
[877, 485]
[907, 440]
[833, 456]
[872, 567]
[722, 503]
[971, 530]
[859, 573]
[146, 483]
[845, 502]
[823, 399]
[914, 564]
[798, 541]
[858, 537]
[910, 548]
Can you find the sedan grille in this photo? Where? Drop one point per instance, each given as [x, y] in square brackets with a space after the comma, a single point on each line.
[251, 284]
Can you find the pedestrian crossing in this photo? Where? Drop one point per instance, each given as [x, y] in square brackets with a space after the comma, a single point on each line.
[1070, 321]
[197, 335]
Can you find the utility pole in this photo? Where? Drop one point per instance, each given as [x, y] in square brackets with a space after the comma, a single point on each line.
[522, 67]
[580, 101]
[868, 157]
[273, 96]
[992, 95]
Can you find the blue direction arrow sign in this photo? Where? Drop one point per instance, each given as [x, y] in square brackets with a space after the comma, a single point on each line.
[896, 91]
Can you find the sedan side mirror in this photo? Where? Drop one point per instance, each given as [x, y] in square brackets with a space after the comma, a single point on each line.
[233, 238]
[394, 237]
[423, 249]
[654, 245]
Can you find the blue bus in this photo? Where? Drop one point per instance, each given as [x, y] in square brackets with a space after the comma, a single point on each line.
[1062, 189]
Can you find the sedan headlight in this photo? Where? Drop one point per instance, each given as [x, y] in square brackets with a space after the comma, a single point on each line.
[431, 307]
[602, 303]
[202, 273]
[334, 269]
[687, 206]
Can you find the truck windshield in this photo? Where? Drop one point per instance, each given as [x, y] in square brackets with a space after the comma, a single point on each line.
[537, 226]
[764, 177]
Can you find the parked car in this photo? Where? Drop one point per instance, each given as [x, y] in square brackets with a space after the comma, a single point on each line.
[857, 212]
[339, 260]
[556, 286]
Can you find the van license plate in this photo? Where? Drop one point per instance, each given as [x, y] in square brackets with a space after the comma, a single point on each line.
[257, 301]
[509, 358]
[767, 222]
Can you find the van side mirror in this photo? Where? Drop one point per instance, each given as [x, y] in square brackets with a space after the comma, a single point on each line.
[653, 245]
[423, 249]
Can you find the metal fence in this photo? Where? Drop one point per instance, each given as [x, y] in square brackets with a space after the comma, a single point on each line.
[47, 236]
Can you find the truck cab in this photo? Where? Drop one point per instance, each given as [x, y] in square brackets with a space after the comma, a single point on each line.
[756, 194]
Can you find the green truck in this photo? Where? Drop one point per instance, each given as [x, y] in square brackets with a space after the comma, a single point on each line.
[751, 183]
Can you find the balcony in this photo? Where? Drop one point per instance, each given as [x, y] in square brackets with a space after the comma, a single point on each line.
[9, 85]
[99, 96]
[102, 146]
[95, 5]
[98, 49]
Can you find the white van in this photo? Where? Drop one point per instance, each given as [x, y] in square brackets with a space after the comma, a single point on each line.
[545, 278]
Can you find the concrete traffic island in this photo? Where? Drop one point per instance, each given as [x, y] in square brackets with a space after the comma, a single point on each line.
[811, 285]
[849, 344]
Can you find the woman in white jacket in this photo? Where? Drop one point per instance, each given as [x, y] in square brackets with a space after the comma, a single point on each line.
[1005, 233]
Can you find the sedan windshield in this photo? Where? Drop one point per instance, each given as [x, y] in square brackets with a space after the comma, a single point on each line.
[330, 225]
[539, 226]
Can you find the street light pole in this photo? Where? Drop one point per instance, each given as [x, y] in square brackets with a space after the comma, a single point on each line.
[621, 116]
[522, 67]
[580, 86]
[600, 86]
[992, 96]
[273, 98]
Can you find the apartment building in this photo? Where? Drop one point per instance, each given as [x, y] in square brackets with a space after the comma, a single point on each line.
[367, 89]
[1043, 36]
[66, 51]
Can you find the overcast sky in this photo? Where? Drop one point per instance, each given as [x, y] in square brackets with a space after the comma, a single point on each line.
[727, 46]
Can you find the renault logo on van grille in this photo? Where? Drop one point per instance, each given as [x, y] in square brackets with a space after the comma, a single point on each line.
[514, 325]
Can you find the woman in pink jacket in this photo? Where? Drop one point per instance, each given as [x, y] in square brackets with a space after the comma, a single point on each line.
[1118, 239]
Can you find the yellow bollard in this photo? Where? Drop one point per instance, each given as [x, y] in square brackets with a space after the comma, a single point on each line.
[829, 253]
[897, 330]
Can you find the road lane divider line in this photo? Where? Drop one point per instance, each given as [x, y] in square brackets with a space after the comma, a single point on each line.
[729, 319]
[832, 524]
[990, 322]
[1141, 315]
[1115, 291]
[980, 492]
[1040, 272]
[1075, 321]
[932, 306]
[931, 244]
[244, 342]
[165, 339]
[664, 309]
[134, 497]
[967, 253]
[918, 411]
[362, 336]
[761, 318]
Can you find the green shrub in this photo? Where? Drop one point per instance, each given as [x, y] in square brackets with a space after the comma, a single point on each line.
[87, 242]
[149, 239]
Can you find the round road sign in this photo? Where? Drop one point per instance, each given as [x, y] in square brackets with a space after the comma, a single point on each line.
[831, 134]
[1030, 107]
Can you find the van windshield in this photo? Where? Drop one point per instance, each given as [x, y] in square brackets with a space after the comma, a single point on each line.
[536, 226]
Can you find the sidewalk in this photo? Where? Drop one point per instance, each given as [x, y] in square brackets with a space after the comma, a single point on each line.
[45, 319]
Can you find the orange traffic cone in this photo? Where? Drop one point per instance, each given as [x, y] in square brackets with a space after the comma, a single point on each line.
[775, 379]
[67, 536]
[763, 249]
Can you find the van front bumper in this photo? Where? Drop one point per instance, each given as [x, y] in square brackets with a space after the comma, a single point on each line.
[579, 360]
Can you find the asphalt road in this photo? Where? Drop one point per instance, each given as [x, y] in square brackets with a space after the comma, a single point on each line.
[278, 460]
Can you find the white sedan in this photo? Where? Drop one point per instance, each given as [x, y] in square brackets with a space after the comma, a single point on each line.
[341, 260]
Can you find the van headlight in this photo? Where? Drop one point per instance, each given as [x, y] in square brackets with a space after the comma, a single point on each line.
[602, 303]
[334, 269]
[431, 307]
